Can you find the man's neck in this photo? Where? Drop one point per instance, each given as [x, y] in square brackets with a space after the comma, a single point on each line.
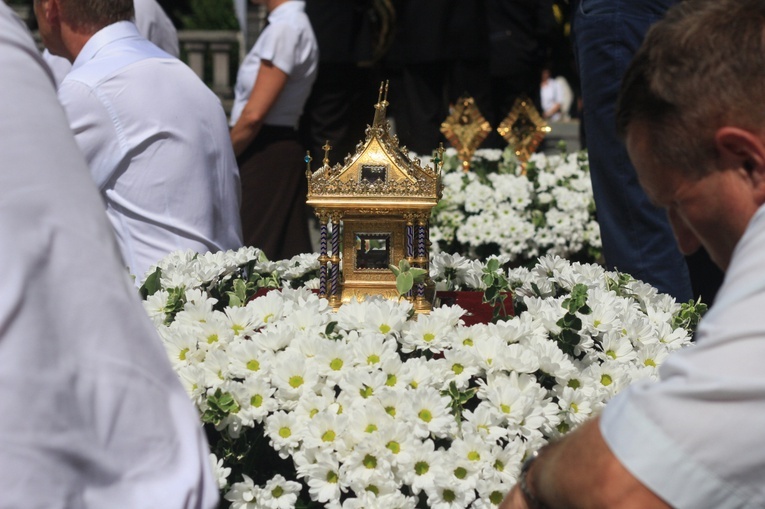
[73, 42]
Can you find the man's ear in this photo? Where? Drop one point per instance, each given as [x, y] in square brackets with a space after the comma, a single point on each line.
[744, 151]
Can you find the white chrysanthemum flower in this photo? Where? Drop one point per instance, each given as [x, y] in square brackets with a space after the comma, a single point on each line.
[220, 471]
[369, 500]
[266, 309]
[367, 465]
[471, 449]
[215, 333]
[510, 402]
[248, 358]
[156, 307]
[485, 421]
[398, 439]
[552, 360]
[241, 321]
[372, 349]
[490, 493]
[323, 478]
[194, 380]
[449, 269]
[426, 333]
[417, 372]
[617, 348]
[311, 403]
[284, 432]
[293, 374]
[279, 493]
[216, 368]
[652, 356]
[575, 406]
[464, 473]
[673, 339]
[429, 413]
[461, 368]
[425, 466]
[364, 418]
[257, 400]
[244, 495]
[324, 430]
[362, 383]
[181, 345]
[386, 316]
[445, 495]
[276, 337]
[334, 359]
[504, 463]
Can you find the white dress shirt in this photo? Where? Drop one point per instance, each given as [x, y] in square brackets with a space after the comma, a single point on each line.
[290, 44]
[156, 140]
[152, 22]
[696, 438]
[92, 416]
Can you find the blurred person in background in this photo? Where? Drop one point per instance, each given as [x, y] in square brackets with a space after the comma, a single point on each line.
[272, 87]
[93, 416]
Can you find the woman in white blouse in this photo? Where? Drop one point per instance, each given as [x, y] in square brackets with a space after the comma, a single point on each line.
[272, 86]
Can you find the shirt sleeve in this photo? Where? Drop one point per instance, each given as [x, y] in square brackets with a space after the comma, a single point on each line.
[96, 130]
[691, 437]
[280, 47]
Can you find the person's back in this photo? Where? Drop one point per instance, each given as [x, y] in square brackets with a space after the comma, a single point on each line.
[155, 25]
[93, 415]
[156, 140]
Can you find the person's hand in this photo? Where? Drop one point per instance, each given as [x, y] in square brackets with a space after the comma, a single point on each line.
[514, 500]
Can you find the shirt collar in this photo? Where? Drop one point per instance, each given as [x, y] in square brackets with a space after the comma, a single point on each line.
[108, 34]
[286, 9]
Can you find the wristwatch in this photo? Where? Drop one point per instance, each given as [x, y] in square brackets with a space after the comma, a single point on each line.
[531, 500]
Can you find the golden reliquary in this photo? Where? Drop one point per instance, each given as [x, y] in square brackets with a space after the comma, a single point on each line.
[375, 208]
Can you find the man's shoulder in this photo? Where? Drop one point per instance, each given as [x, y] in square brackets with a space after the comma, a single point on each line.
[118, 58]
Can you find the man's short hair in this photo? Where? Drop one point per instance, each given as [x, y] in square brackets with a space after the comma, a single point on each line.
[701, 67]
[93, 15]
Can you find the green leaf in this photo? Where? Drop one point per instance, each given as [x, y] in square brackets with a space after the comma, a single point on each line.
[396, 271]
[404, 282]
[418, 274]
[152, 284]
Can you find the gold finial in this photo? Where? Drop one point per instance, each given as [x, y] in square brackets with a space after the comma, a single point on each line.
[308, 160]
[326, 148]
[465, 128]
[439, 159]
[382, 105]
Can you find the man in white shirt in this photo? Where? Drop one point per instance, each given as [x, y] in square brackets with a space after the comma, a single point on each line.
[691, 111]
[152, 22]
[155, 137]
[92, 416]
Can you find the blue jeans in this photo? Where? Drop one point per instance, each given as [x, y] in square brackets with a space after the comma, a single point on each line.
[637, 238]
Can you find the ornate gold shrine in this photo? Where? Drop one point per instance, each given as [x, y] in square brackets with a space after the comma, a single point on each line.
[378, 202]
[523, 129]
[466, 129]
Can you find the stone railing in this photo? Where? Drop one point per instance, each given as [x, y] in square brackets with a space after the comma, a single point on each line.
[214, 56]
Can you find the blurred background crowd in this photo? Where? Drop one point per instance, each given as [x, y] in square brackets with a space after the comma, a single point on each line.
[432, 51]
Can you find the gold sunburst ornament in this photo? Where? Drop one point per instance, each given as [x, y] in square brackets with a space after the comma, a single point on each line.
[523, 129]
[466, 129]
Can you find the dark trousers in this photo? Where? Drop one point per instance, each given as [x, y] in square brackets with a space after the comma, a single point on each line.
[274, 189]
[637, 237]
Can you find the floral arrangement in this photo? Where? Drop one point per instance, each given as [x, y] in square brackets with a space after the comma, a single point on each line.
[497, 209]
[370, 406]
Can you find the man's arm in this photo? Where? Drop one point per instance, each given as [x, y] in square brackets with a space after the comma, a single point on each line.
[581, 471]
